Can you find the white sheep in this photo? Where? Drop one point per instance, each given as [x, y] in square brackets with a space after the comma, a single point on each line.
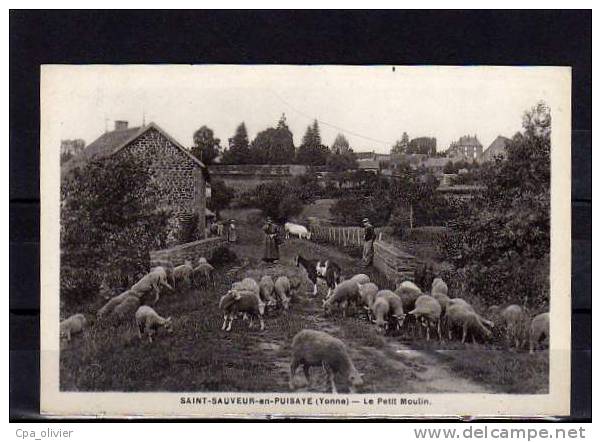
[360, 278]
[266, 290]
[72, 325]
[427, 310]
[312, 348]
[241, 301]
[183, 274]
[463, 303]
[152, 282]
[344, 294]
[296, 229]
[514, 319]
[408, 292]
[460, 316]
[380, 311]
[148, 321]
[396, 312]
[282, 289]
[126, 308]
[368, 294]
[108, 308]
[439, 286]
[203, 272]
[539, 330]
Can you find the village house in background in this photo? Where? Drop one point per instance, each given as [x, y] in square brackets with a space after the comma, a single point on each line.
[496, 149]
[71, 148]
[468, 148]
[181, 177]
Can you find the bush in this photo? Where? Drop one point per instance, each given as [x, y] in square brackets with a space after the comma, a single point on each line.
[222, 256]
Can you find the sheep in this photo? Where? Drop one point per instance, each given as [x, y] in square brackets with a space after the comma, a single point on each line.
[427, 310]
[380, 311]
[396, 313]
[110, 306]
[242, 301]
[408, 292]
[148, 321]
[514, 319]
[345, 293]
[203, 272]
[183, 274]
[152, 282]
[266, 290]
[248, 284]
[439, 286]
[368, 294]
[167, 265]
[539, 329]
[463, 303]
[72, 325]
[295, 285]
[467, 319]
[127, 307]
[282, 289]
[312, 348]
[360, 278]
[296, 229]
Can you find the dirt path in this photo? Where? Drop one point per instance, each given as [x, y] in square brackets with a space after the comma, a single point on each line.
[388, 365]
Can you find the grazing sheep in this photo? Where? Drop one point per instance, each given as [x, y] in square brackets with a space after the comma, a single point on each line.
[148, 321]
[408, 292]
[296, 229]
[115, 301]
[266, 290]
[380, 310]
[152, 282]
[250, 285]
[439, 286]
[72, 325]
[127, 307]
[241, 301]
[368, 294]
[514, 319]
[167, 265]
[312, 348]
[427, 310]
[345, 293]
[459, 316]
[539, 330]
[282, 290]
[183, 274]
[396, 313]
[295, 286]
[203, 272]
[463, 303]
[360, 278]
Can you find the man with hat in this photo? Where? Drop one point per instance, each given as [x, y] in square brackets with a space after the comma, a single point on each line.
[368, 242]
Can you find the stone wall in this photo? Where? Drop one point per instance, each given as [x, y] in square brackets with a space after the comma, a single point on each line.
[397, 265]
[190, 251]
[246, 176]
[179, 178]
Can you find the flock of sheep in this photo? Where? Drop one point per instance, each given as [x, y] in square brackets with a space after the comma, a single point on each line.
[134, 302]
[405, 307]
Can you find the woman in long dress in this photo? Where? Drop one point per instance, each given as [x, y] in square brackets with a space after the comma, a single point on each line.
[271, 253]
[232, 235]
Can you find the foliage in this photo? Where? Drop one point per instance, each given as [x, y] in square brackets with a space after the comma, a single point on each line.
[109, 223]
[221, 256]
[279, 201]
[401, 145]
[273, 145]
[340, 145]
[341, 162]
[206, 147]
[239, 147]
[221, 196]
[311, 152]
[502, 241]
[423, 145]
[188, 229]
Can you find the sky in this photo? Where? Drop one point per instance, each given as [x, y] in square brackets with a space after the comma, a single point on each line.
[371, 105]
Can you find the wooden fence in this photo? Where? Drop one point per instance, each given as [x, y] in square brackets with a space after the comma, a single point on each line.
[342, 236]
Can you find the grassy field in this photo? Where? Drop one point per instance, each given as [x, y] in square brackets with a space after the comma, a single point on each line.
[199, 356]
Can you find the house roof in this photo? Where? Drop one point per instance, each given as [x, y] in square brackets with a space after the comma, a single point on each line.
[112, 142]
[499, 143]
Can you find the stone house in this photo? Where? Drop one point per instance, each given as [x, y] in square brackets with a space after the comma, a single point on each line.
[467, 148]
[181, 177]
[496, 148]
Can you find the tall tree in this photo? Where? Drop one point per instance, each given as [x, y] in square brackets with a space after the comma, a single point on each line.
[239, 150]
[401, 145]
[311, 151]
[340, 145]
[273, 145]
[206, 147]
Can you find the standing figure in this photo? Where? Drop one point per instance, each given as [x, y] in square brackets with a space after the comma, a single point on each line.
[219, 228]
[368, 243]
[271, 253]
[232, 235]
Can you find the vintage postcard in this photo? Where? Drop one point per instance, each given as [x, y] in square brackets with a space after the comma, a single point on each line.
[349, 241]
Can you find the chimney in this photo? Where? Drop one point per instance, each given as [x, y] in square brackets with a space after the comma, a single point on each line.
[120, 125]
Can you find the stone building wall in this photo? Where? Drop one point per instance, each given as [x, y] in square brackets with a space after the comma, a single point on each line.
[179, 179]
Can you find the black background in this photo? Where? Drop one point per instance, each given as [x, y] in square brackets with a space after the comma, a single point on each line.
[553, 38]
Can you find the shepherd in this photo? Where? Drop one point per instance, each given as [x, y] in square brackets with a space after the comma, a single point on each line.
[232, 235]
[368, 243]
[271, 253]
